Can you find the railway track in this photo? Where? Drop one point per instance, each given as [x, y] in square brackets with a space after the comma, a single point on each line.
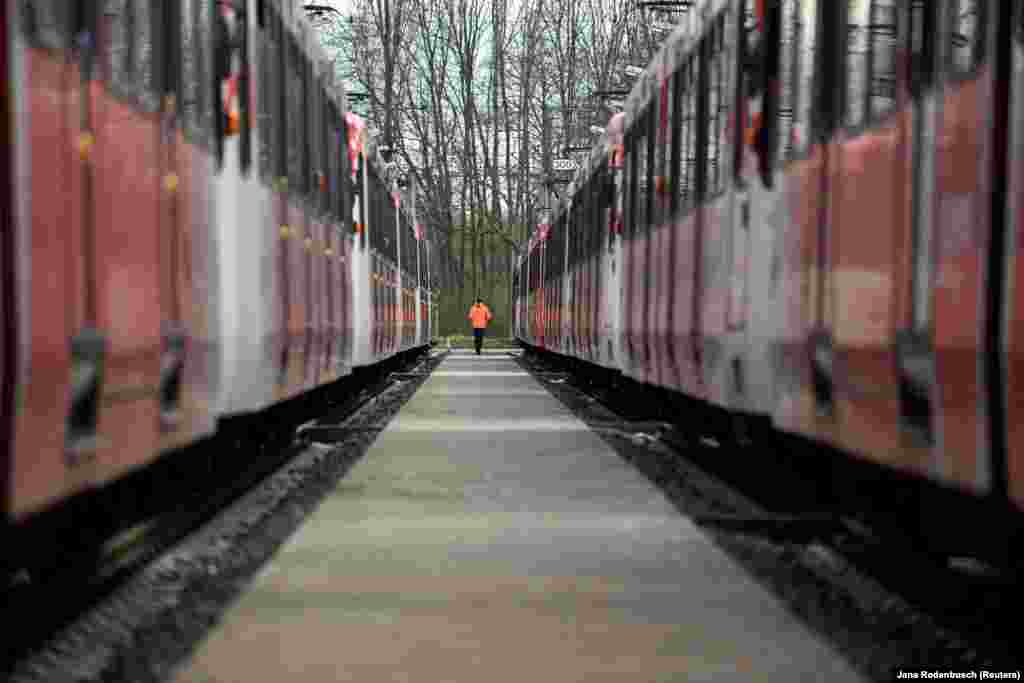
[879, 595]
[60, 611]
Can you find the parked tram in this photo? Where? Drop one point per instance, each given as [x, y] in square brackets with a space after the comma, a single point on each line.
[807, 220]
[197, 231]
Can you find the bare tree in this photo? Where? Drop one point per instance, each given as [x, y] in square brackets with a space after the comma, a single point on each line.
[461, 90]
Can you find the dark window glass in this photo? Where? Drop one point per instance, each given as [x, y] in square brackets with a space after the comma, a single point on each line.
[717, 109]
[315, 137]
[48, 23]
[1018, 21]
[885, 31]
[345, 188]
[382, 216]
[335, 164]
[664, 125]
[147, 13]
[630, 198]
[921, 39]
[311, 159]
[247, 67]
[967, 35]
[789, 50]
[686, 91]
[267, 90]
[196, 67]
[118, 26]
[805, 15]
[307, 113]
[650, 170]
[360, 202]
[294, 83]
[168, 50]
[856, 67]
[640, 176]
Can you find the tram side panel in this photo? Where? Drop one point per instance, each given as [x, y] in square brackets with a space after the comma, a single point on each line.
[9, 212]
[47, 87]
[245, 222]
[963, 232]
[1013, 324]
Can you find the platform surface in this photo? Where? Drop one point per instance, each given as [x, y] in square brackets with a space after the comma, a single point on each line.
[488, 537]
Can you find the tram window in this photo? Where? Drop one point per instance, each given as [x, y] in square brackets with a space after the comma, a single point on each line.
[805, 17]
[326, 130]
[664, 126]
[327, 156]
[203, 42]
[345, 190]
[191, 80]
[921, 40]
[884, 30]
[857, 64]
[717, 109]
[315, 144]
[119, 25]
[554, 250]
[674, 153]
[373, 205]
[147, 14]
[577, 224]
[48, 23]
[788, 74]
[308, 114]
[727, 101]
[599, 207]
[264, 59]
[651, 169]
[584, 199]
[335, 152]
[686, 94]
[592, 213]
[577, 234]
[967, 35]
[168, 60]
[246, 67]
[276, 98]
[636, 146]
[1018, 21]
[313, 167]
[563, 244]
[640, 156]
[294, 87]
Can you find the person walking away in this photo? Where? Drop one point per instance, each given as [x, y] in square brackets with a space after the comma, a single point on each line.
[479, 316]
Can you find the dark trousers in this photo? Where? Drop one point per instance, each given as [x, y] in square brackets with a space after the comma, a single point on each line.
[478, 338]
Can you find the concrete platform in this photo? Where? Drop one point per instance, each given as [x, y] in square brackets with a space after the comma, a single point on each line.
[489, 536]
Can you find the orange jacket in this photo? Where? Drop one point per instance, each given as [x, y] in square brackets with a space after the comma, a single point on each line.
[479, 315]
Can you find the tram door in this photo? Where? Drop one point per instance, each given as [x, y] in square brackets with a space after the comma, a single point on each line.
[961, 308]
[809, 73]
[53, 419]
